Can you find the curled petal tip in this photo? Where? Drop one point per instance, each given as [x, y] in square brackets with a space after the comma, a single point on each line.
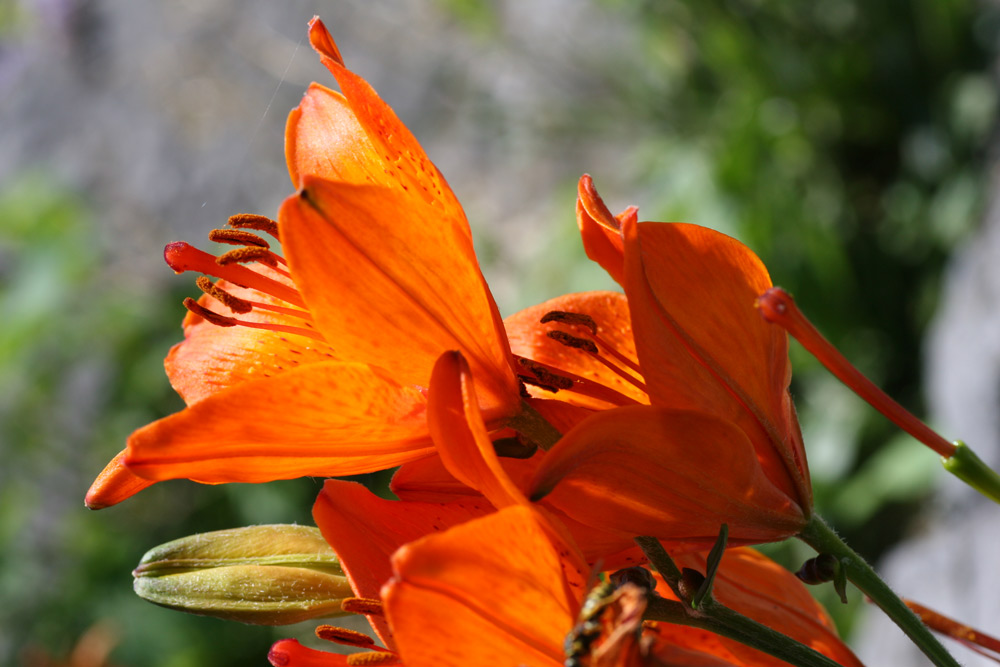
[594, 205]
[322, 41]
[115, 484]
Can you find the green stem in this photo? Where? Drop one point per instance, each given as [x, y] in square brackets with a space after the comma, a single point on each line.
[715, 617]
[661, 560]
[532, 425]
[821, 537]
[969, 468]
[721, 620]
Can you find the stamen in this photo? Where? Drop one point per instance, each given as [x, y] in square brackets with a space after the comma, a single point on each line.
[569, 340]
[979, 642]
[544, 375]
[777, 306]
[582, 385]
[257, 222]
[594, 205]
[214, 318]
[527, 379]
[181, 257]
[588, 346]
[223, 321]
[332, 633]
[625, 361]
[570, 318]
[294, 312]
[238, 305]
[237, 237]
[234, 303]
[372, 658]
[366, 606]
[248, 254]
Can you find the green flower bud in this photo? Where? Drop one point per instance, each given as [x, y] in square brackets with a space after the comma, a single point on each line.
[266, 575]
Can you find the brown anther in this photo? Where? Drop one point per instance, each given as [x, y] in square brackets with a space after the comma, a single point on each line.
[573, 341]
[237, 237]
[570, 318]
[373, 658]
[366, 606]
[247, 254]
[214, 318]
[332, 633]
[234, 303]
[257, 222]
[544, 375]
[527, 379]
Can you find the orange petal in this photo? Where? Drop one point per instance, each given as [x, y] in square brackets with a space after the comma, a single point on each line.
[755, 586]
[600, 230]
[671, 474]
[364, 530]
[428, 480]
[392, 283]
[460, 434]
[212, 358]
[324, 138]
[328, 418]
[487, 592]
[609, 310]
[403, 159]
[703, 345]
[114, 484]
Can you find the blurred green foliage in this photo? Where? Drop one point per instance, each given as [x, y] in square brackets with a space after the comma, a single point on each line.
[843, 141]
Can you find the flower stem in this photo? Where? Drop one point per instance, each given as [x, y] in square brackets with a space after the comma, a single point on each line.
[716, 617]
[969, 468]
[713, 616]
[821, 537]
[536, 428]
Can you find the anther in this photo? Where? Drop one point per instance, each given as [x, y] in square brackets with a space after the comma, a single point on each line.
[372, 658]
[234, 303]
[528, 380]
[247, 254]
[237, 237]
[544, 376]
[257, 222]
[573, 341]
[332, 633]
[570, 318]
[366, 606]
[214, 318]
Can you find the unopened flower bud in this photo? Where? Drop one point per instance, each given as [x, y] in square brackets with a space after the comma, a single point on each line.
[266, 575]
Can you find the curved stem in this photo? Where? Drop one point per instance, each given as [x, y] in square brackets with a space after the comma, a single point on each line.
[821, 537]
[713, 616]
[722, 620]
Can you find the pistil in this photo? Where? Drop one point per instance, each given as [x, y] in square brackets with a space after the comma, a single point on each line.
[777, 306]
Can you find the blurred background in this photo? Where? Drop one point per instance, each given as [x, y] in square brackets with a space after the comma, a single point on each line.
[850, 144]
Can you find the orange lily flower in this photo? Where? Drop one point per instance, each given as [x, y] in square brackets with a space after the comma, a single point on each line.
[316, 365]
[720, 442]
[508, 589]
